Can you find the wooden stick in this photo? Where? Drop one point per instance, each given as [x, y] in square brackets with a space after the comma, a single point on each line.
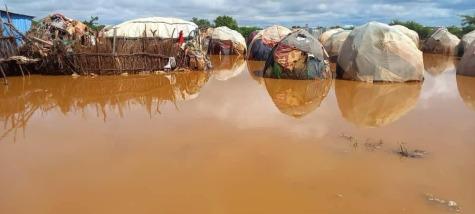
[5, 81]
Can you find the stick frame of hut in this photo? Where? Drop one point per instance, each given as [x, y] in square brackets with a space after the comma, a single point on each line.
[125, 55]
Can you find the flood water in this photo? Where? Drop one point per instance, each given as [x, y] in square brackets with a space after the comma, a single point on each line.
[229, 141]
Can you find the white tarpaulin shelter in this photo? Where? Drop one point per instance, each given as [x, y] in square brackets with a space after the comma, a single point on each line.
[224, 33]
[410, 33]
[378, 52]
[442, 42]
[467, 39]
[327, 34]
[333, 44]
[153, 27]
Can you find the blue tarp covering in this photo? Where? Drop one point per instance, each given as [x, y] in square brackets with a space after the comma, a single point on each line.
[21, 22]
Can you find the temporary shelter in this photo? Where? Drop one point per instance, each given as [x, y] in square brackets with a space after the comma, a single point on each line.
[466, 65]
[413, 35]
[375, 104]
[159, 27]
[335, 42]
[378, 52]
[297, 98]
[467, 39]
[227, 42]
[441, 42]
[327, 34]
[298, 56]
[262, 44]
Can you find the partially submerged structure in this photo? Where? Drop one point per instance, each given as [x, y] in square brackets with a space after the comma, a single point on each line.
[467, 39]
[298, 56]
[378, 52]
[261, 46]
[225, 41]
[441, 41]
[466, 65]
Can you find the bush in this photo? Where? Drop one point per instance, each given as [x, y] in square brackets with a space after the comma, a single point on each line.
[246, 31]
[422, 30]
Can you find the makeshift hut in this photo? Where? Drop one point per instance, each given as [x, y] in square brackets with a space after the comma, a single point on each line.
[298, 56]
[154, 27]
[297, 98]
[466, 65]
[327, 34]
[436, 64]
[262, 44]
[335, 42]
[467, 39]
[441, 41]
[225, 41]
[228, 67]
[378, 52]
[375, 104]
[410, 33]
[466, 88]
[251, 37]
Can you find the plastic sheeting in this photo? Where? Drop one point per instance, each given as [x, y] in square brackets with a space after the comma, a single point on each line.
[375, 105]
[327, 34]
[261, 46]
[378, 52]
[466, 65]
[226, 34]
[335, 42]
[467, 39]
[298, 56]
[413, 35]
[442, 42]
[297, 98]
[160, 27]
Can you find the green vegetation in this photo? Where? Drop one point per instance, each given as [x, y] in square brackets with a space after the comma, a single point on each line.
[93, 23]
[422, 30]
[455, 30]
[202, 23]
[227, 21]
[468, 23]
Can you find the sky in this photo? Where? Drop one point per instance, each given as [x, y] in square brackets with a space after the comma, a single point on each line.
[257, 12]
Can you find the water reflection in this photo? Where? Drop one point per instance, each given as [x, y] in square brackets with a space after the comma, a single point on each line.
[23, 97]
[375, 105]
[225, 68]
[255, 70]
[436, 64]
[297, 98]
[466, 87]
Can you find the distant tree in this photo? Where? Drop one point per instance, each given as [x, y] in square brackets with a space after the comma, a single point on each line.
[93, 23]
[246, 31]
[202, 23]
[455, 30]
[468, 23]
[227, 21]
[422, 30]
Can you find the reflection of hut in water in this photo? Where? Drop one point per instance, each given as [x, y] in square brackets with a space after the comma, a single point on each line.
[227, 67]
[297, 98]
[255, 70]
[375, 104]
[105, 94]
[466, 87]
[436, 64]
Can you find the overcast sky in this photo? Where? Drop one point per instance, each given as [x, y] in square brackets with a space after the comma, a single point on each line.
[257, 12]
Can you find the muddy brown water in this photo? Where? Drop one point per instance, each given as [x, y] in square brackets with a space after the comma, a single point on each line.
[229, 141]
